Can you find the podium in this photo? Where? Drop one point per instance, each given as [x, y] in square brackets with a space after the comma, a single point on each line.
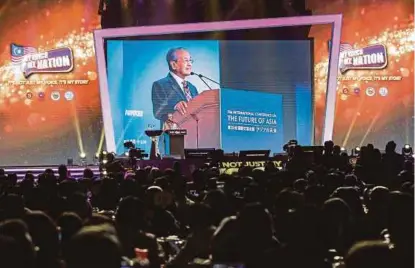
[174, 142]
[154, 151]
[202, 121]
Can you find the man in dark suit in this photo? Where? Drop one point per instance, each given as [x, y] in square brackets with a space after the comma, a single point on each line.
[172, 92]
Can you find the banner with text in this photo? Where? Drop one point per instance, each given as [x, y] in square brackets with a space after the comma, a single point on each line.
[251, 119]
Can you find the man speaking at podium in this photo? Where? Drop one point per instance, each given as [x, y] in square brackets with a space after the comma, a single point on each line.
[172, 92]
[169, 124]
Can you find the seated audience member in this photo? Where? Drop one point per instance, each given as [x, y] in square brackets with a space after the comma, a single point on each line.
[11, 207]
[63, 173]
[376, 219]
[370, 254]
[69, 223]
[401, 228]
[44, 233]
[160, 221]
[94, 246]
[130, 225]
[12, 254]
[309, 214]
[337, 225]
[198, 243]
[224, 243]
[254, 244]
[18, 230]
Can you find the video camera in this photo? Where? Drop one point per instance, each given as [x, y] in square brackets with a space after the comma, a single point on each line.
[137, 153]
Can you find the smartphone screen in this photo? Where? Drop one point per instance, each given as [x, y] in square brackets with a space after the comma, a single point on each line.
[228, 265]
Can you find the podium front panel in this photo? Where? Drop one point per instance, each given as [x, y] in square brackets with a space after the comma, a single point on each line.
[174, 144]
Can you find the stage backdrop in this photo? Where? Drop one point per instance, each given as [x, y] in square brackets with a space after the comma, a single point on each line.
[260, 80]
[36, 129]
[49, 103]
[375, 94]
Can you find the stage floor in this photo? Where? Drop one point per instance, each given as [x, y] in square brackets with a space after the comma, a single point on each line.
[75, 171]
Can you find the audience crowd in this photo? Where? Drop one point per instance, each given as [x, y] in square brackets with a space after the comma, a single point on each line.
[328, 213]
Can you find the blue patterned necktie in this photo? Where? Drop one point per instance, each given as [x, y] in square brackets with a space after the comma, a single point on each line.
[187, 93]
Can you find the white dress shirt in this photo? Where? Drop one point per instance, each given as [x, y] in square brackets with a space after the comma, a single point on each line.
[179, 81]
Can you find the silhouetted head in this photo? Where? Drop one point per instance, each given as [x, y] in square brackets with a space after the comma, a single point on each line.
[69, 224]
[256, 217]
[200, 216]
[370, 147]
[88, 173]
[12, 206]
[19, 231]
[94, 246]
[370, 254]
[401, 218]
[328, 147]
[379, 198]
[336, 150]
[130, 212]
[44, 234]
[11, 253]
[390, 147]
[63, 171]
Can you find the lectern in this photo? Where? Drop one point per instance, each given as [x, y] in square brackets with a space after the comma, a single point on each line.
[174, 142]
[154, 151]
[201, 121]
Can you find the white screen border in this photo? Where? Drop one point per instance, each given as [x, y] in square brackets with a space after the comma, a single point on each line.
[335, 20]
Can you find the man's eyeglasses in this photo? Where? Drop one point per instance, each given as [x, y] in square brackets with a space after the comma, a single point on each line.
[188, 61]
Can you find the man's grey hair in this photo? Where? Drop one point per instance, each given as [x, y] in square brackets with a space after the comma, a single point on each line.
[172, 56]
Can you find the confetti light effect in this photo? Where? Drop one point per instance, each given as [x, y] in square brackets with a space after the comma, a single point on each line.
[362, 27]
[31, 128]
[398, 43]
[82, 45]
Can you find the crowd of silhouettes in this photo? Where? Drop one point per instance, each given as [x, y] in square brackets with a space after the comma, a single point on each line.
[309, 214]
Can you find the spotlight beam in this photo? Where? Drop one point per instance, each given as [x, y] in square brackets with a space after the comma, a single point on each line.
[349, 131]
[372, 123]
[77, 128]
[101, 142]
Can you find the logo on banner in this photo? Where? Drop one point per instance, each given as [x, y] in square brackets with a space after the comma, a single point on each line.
[31, 61]
[367, 58]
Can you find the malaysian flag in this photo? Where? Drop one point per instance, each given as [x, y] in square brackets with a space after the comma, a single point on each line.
[19, 52]
[343, 46]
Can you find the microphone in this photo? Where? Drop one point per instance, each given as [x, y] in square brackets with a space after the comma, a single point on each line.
[194, 116]
[201, 76]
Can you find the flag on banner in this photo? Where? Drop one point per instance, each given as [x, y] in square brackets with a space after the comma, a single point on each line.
[343, 46]
[19, 52]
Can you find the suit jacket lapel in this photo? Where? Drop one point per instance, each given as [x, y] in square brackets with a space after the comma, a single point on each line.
[176, 86]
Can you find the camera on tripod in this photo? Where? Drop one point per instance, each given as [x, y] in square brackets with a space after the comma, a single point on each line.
[137, 153]
[134, 152]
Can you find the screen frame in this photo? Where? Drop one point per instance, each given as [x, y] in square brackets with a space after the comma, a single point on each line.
[335, 20]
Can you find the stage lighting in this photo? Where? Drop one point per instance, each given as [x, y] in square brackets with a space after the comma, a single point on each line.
[407, 150]
[127, 154]
[104, 152]
[343, 150]
[83, 158]
[97, 155]
[356, 151]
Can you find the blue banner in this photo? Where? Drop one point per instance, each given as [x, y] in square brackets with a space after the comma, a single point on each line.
[251, 120]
